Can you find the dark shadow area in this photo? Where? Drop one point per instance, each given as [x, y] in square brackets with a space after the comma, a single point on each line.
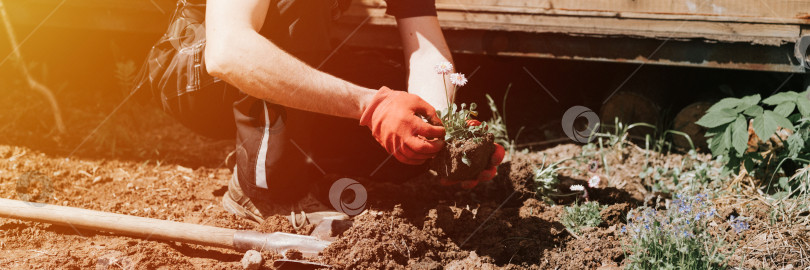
[204, 252]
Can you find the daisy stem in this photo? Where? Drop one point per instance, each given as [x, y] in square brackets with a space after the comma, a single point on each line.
[447, 96]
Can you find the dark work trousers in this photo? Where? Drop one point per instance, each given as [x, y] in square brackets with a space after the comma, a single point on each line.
[283, 153]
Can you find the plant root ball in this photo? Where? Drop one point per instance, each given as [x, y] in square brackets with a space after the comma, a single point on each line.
[252, 260]
[449, 163]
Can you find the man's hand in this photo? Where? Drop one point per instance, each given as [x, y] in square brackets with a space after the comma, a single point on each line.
[424, 46]
[394, 120]
[487, 174]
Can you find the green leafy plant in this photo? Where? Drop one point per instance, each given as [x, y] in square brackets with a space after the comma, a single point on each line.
[578, 216]
[546, 178]
[790, 207]
[456, 124]
[694, 174]
[677, 237]
[456, 119]
[619, 136]
[497, 124]
[779, 123]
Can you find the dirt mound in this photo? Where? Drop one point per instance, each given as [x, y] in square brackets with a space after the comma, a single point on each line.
[386, 240]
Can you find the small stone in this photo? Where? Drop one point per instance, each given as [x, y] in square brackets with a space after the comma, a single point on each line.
[252, 260]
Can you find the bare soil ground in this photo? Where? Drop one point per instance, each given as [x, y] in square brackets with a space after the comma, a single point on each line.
[142, 163]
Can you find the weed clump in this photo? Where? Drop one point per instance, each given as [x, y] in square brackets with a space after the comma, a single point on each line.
[677, 237]
[580, 216]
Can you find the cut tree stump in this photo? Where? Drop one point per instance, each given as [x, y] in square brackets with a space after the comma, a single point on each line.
[685, 122]
[631, 107]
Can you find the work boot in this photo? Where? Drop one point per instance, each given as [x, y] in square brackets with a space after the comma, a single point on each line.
[307, 210]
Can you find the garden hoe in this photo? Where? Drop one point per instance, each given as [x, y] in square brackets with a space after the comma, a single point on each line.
[149, 228]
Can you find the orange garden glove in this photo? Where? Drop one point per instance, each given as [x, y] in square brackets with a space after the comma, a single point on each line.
[394, 120]
[487, 174]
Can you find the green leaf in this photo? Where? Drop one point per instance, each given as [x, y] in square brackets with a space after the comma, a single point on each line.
[780, 98]
[795, 144]
[726, 103]
[717, 118]
[750, 100]
[749, 164]
[739, 133]
[783, 183]
[753, 111]
[785, 108]
[766, 124]
[720, 143]
[780, 121]
[804, 105]
[763, 127]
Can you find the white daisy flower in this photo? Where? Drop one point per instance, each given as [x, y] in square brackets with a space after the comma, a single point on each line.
[444, 68]
[577, 188]
[458, 79]
[594, 181]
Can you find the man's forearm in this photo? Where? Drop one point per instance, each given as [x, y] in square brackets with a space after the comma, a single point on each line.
[424, 47]
[259, 68]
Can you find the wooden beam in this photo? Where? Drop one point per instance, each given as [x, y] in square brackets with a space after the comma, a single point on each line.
[756, 33]
[675, 52]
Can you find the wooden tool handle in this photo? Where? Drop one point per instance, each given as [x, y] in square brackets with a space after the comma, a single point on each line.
[148, 228]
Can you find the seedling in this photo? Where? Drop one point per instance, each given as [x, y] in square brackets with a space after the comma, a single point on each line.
[580, 216]
[457, 125]
[469, 144]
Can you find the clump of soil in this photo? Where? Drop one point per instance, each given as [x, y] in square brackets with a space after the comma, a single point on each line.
[449, 163]
[384, 240]
[595, 248]
[294, 254]
[615, 214]
[282, 224]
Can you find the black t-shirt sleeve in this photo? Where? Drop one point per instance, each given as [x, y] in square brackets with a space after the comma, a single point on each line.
[411, 8]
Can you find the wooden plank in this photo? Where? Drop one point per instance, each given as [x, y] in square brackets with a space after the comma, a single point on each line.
[740, 8]
[765, 11]
[685, 53]
[757, 33]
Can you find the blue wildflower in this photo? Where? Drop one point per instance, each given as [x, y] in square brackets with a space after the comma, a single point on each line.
[738, 224]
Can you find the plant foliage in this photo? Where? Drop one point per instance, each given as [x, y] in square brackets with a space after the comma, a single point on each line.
[455, 120]
[580, 216]
[678, 237]
[779, 121]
